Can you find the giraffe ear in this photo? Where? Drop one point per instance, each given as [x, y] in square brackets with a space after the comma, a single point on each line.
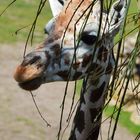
[116, 15]
[49, 26]
[56, 6]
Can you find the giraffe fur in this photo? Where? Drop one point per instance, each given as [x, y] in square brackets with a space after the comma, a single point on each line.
[67, 55]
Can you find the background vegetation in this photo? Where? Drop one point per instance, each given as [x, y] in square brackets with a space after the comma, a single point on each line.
[19, 15]
[16, 21]
[15, 24]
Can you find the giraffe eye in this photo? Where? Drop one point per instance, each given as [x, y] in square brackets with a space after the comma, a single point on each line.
[88, 38]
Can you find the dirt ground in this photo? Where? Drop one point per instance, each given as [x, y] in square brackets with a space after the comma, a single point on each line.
[19, 119]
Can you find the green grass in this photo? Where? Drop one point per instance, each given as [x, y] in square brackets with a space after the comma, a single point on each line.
[79, 86]
[132, 9]
[22, 13]
[19, 15]
[124, 120]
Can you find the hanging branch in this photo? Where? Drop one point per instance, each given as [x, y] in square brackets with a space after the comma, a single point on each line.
[7, 7]
[31, 32]
[48, 125]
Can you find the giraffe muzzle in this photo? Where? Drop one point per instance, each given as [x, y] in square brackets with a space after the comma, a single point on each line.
[23, 74]
[28, 77]
[32, 84]
[29, 73]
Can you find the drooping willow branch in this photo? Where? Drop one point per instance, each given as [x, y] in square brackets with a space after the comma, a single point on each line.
[10, 4]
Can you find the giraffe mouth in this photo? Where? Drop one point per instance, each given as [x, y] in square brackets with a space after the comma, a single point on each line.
[31, 84]
[29, 77]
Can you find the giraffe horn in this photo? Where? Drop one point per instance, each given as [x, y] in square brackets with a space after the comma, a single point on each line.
[56, 6]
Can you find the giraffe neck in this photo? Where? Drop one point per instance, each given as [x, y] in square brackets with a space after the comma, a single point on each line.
[88, 116]
[87, 121]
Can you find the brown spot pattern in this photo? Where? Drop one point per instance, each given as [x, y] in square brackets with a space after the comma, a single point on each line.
[109, 68]
[68, 13]
[95, 112]
[102, 54]
[79, 122]
[31, 61]
[49, 40]
[48, 59]
[94, 67]
[77, 75]
[63, 74]
[76, 65]
[97, 93]
[94, 134]
[56, 49]
[86, 60]
[34, 60]
[52, 38]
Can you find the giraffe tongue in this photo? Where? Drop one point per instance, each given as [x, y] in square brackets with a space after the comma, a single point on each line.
[32, 84]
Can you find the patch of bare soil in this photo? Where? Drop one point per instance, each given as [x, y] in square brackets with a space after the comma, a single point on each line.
[19, 119]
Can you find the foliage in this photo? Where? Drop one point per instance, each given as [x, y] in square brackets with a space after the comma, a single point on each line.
[16, 21]
[124, 119]
[120, 83]
[23, 13]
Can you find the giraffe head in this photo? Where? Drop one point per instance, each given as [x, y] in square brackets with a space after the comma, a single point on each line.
[80, 30]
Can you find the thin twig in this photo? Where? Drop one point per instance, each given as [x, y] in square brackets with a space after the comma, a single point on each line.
[48, 125]
[7, 7]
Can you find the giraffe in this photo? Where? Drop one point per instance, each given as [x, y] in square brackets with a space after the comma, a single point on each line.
[79, 45]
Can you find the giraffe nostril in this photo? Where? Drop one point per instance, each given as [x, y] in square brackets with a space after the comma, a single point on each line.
[34, 59]
[29, 60]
